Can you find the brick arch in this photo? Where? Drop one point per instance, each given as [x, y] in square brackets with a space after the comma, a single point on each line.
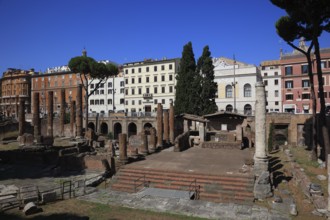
[117, 129]
[104, 128]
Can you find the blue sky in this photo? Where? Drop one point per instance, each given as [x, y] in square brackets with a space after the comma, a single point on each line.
[47, 33]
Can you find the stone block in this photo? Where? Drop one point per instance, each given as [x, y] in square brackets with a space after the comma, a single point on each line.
[25, 139]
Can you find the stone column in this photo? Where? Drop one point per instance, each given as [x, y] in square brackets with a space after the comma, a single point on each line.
[201, 130]
[16, 106]
[21, 117]
[36, 117]
[144, 146]
[72, 117]
[50, 111]
[79, 112]
[193, 125]
[123, 148]
[171, 123]
[62, 119]
[262, 186]
[239, 132]
[260, 126]
[185, 125]
[160, 125]
[152, 143]
[166, 128]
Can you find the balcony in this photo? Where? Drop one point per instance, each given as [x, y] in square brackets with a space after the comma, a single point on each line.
[147, 95]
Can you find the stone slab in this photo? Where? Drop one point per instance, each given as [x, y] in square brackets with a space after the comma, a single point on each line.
[165, 193]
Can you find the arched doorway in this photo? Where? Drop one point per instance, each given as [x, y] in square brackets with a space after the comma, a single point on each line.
[117, 130]
[91, 126]
[247, 109]
[147, 127]
[104, 128]
[131, 129]
[229, 108]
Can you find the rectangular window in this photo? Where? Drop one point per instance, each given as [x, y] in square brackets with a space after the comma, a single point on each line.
[97, 102]
[140, 102]
[288, 84]
[288, 70]
[305, 83]
[147, 79]
[140, 70]
[171, 77]
[147, 90]
[276, 73]
[92, 86]
[109, 101]
[139, 80]
[163, 89]
[289, 96]
[163, 67]
[147, 69]
[101, 102]
[265, 82]
[126, 71]
[126, 102]
[133, 70]
[122, 91]
[109, 84]
[133, 102]
[170, 66]
[102, 92]
[276, 103]
[155, 78]
[91, 102]
[304, 69]
[155, 68]
[140, 91]
[133, 80]
[133, 91]
[102, 85]
[109, 91]
[126, 81]
[163, 78]
[126, 92]
[276, 93]
[155, 90]
[122, 101]
[97, 92]
[305, 96]
[155, 101]
[323, 64]
[122, 84]
[265, 74]
[163, 101]
[171, 89]
[276, 82]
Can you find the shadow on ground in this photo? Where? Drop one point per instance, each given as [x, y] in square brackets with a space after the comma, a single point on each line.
[48, 217]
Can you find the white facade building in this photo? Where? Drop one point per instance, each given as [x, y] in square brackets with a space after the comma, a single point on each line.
[148, 83]
[109, 97]
[236, 85]
[271, 75]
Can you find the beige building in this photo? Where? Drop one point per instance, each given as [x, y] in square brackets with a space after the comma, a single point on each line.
[148, 83]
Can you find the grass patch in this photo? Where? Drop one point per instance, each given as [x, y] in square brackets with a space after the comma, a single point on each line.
[79, 210]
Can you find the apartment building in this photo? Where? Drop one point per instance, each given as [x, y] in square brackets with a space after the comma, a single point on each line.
[15, 86]
[271, 75]
[148, 83]
[296, 95]
[236, 85]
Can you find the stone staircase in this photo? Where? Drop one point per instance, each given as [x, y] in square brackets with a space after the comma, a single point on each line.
[225, 188]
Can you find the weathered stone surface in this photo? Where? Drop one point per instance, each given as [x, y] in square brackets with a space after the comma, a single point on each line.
[262, 187]
[30, 208]
[123, 148]
[25, 139]
[50, 111]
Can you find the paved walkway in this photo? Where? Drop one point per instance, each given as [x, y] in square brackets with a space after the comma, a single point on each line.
[196, 208]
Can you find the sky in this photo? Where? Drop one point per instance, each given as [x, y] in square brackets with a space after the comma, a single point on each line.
[48, 33]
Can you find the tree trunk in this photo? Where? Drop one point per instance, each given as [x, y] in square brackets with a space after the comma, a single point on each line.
[323, 122]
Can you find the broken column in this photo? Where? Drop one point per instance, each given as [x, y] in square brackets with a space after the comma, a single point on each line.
[171, 123]
[62, 117]
[152, 142]
[143, 149]
[50, 111]
[166, 128]
[72, 117]
[79, 112]
[160, 126]
[36, 118]
[123, 148]
[21, 117]
[262, 187]
[201, 131]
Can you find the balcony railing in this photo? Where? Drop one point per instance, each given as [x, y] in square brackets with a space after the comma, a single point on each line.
[147, 95]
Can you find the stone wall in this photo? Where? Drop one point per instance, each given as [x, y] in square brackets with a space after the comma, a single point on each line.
[182, 142]
[94, 162]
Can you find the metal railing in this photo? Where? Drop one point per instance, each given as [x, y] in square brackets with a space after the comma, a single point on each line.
[194, 190]
[143, 183]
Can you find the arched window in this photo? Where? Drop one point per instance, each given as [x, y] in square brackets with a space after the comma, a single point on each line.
[229, 91]
[229, 108]
[247, 109]
[247, 90]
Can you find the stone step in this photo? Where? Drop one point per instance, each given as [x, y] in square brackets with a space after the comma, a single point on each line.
[229, 177]
[187, 181]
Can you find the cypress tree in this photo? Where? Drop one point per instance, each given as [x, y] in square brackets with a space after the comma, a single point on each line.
[185, 81]
[208, 90]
